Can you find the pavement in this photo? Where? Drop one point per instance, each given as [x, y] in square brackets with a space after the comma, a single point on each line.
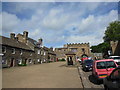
[88, 81]
[48, 75]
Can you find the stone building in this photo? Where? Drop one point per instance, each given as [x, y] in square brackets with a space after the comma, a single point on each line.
[115, 45]
[41, 52]
[20, 49]
[36, 46]
[80, 50]
[51, 55]
[14, 52]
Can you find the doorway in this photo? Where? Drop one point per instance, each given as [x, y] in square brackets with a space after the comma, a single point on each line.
[12, 62]
[69, 60]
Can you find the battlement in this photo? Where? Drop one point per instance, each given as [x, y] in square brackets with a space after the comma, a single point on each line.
[76, 44]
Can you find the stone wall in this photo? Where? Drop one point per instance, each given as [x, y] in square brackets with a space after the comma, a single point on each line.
[115, 45]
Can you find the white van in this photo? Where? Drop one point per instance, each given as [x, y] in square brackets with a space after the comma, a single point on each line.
[116, 59]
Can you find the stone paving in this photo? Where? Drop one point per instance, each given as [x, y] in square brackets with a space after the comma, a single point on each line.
[48, 75]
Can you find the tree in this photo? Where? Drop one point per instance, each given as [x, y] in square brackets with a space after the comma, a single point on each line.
[112, 32]
[101, 48]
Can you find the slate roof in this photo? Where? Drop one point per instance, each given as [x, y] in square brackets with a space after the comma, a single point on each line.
[49, 50]
[34, 42]
[14, 43]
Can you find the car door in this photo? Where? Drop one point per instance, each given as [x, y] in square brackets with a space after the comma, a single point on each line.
[114, 79]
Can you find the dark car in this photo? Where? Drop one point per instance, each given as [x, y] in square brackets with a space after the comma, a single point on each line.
[87, 64]
[112, 81]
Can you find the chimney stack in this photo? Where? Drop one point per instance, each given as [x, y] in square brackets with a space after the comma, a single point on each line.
[12, 36]
[51, 48]
[25, 34]
[40, 41]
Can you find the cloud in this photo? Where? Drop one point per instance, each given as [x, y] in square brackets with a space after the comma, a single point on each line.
[91, 29]
[9, 22]
[58, 23]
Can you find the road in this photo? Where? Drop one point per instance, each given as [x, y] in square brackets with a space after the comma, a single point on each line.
[48, 75]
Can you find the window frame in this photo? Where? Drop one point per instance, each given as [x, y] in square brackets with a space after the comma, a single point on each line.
[21, 52]
[38, 52]
[13, 50]
[2, 49]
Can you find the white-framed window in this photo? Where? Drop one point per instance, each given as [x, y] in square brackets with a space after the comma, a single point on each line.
[13, 50]
[30, 60]
[4, 61]
[20, 61]
[38, 51]
[31, 54]
[21, 52]
[44, 53]
[3, 49]
[38, 60]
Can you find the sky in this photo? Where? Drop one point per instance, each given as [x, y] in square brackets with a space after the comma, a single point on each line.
[59, 23]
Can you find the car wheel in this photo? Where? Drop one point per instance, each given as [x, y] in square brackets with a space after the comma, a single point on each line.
[106, 88]
[85, 70]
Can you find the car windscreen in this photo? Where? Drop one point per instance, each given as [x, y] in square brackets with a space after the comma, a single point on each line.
[88, 61]
[105, 64]
[116, 58]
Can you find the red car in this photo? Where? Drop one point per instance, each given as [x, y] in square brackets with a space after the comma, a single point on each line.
[103, 68]
[84, 58]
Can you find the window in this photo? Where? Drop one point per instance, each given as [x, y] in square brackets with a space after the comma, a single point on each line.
[44, 53]
[38, 51]
[83, 50]
[4, 61]
[106, 64]
[31, 54]
[20, 61]
[3, 49]
[13, 51]
[21, 52]
[30, 60]
[38, 60]
[41, 52]
[74, 49]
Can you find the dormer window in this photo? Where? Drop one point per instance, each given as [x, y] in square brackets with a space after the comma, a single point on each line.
[21, 52]
[3, 49]
[13, 50]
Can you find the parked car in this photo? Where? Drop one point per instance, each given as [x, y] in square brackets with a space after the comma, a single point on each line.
[87, 64]
[103, 68]
[116, 59]
[84, 58]
[112, 81]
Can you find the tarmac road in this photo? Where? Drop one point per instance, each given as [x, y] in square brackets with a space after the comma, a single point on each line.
[48, 75]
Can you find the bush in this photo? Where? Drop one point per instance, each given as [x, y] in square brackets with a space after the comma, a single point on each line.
[22, 64]
[61, 59]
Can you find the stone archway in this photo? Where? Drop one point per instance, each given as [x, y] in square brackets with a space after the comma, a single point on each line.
[70, 58]
[84, 55]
